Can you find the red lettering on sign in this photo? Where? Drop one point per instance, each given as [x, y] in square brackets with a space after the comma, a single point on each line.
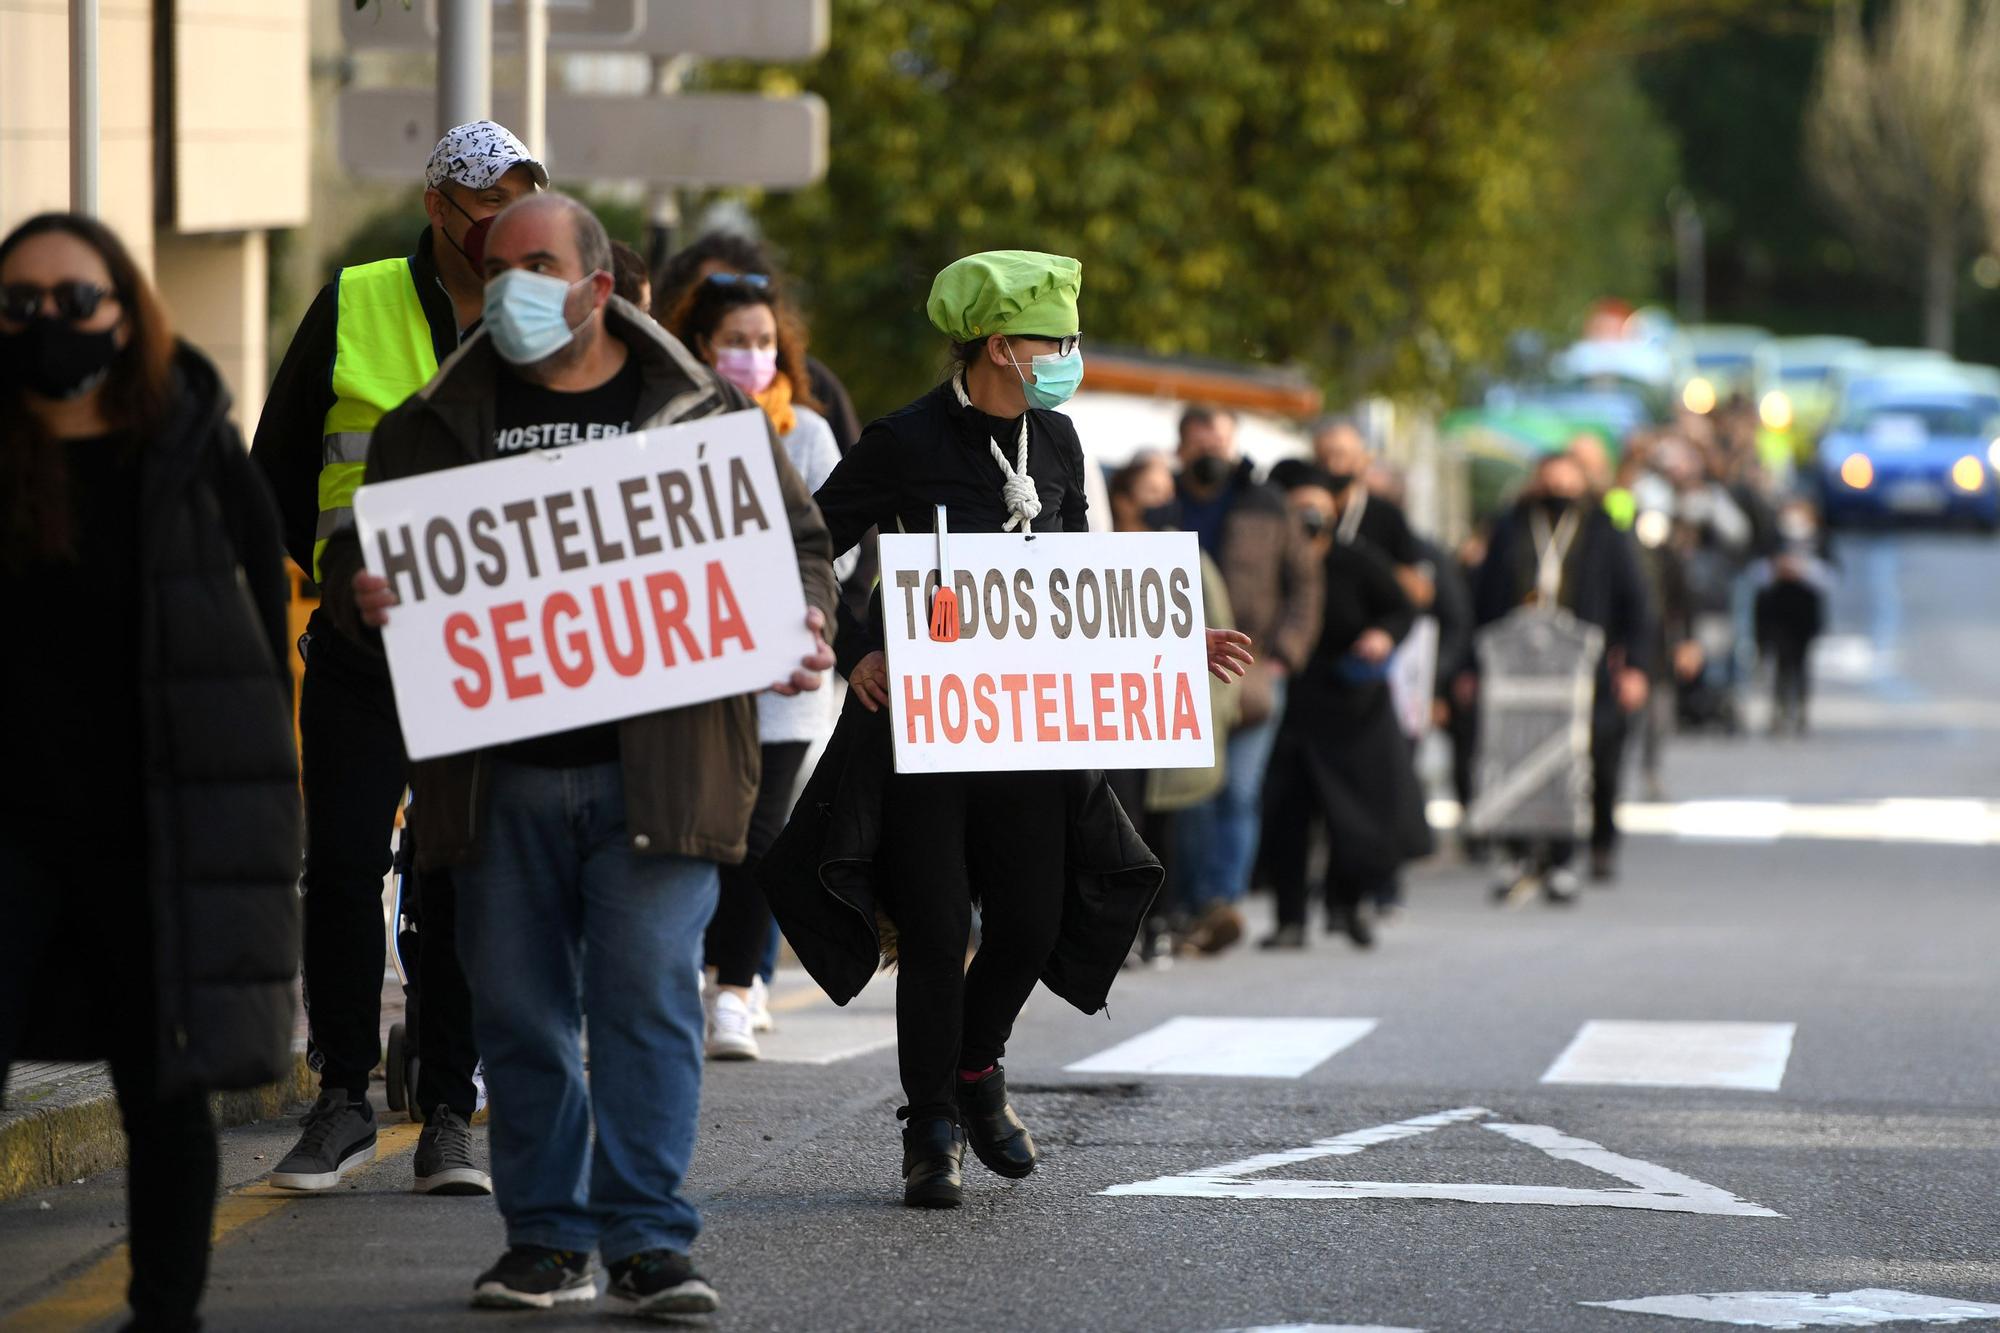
[1132, 688]
[1045, 708]
[988, 727]
[460, 630]
[725, 617]
[1072, 724]
[1185, 721]
[917, 704]
[511, 648]
[949, 689]
[670, 622]
[1015, 685]
[625, 662]
[1103, 703]
[574, 671]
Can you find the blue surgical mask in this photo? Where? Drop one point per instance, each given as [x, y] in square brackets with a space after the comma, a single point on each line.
[524, 315]
[1056, 378]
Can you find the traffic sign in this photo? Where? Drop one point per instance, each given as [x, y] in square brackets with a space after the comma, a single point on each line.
[696, 139]
[779, 30]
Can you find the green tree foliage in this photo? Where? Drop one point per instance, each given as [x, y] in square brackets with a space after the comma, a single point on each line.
[1380, 191]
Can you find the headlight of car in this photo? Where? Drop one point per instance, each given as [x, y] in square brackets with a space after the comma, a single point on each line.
[1857, 471]
[1969, 474]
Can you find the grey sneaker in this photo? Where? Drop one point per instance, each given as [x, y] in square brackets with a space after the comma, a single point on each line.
[445, 1162]
[660, 1284]
[339, 1134]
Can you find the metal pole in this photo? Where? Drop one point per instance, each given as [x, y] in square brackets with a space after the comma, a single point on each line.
[534, 126]
[83, 127]
[465, 62]
[1690, 262]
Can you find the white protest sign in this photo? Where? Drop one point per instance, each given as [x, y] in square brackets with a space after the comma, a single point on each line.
[1413, 677]
[567, 587]
[1075, 650]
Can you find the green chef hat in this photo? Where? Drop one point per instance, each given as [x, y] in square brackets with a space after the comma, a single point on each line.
[1007, 291]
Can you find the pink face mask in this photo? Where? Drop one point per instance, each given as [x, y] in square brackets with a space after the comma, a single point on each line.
[749, 369]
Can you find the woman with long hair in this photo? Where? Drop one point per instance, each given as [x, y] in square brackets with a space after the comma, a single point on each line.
[1061, 879]
[741, 326]
[149, 823]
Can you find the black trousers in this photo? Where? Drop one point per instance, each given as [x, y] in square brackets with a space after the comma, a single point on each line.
[84, 918]
[351, 757]
[1791, 685]
[1292, 810]
[1607, 775]
[741, 927]
[948, 838]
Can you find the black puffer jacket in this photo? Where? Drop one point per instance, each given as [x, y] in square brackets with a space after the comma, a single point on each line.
[222, 798]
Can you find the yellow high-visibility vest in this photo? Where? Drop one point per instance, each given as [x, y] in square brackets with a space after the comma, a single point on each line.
[382, 355]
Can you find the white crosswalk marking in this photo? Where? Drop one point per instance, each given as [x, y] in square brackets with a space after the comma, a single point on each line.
[1230, 1047]
[1677, 1055]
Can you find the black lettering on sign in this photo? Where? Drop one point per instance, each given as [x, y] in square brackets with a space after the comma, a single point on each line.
[1152, 603]
[479, 526]
[1183, 608]
[1063, 618]
[1024, 603]
[993, 601]
[1089, 603]
[1122, 624]
[562, 529]
[744, 507]
[440, 530]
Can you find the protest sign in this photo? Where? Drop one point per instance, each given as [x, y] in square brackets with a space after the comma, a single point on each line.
[1074, 650]
[1413, 677]
[566, 587]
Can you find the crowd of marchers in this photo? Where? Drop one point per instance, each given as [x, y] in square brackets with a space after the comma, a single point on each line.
[643, 872]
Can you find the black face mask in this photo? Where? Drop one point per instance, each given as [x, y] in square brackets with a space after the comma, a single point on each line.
[1555, 505]
[55, 359]
[1162, 518]
[1314, 523]
[1209, 471]
[1339, 481]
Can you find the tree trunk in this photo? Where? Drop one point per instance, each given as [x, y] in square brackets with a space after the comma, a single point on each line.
[1940, 284]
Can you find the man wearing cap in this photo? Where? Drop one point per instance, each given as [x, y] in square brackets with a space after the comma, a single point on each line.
[989, 448]
[372, 337]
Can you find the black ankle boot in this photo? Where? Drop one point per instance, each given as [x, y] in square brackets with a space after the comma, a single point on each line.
[998, 1137]
[933, 1158]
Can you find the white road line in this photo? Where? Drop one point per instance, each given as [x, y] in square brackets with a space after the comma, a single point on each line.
[1230, 1047]
[1804, 1309]
[1648, 1185]
[1677, 1055]
[1937, 822]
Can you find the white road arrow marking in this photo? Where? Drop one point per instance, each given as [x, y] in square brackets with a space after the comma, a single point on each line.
[1804, 1309]
[1653, 1187]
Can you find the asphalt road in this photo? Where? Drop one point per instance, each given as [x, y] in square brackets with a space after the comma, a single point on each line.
[1854, 1144]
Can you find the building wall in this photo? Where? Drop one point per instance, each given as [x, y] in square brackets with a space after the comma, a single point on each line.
[240, 152]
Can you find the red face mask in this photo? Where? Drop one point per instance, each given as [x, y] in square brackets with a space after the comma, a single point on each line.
[473, 247]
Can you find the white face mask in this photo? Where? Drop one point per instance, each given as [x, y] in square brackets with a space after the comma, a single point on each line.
[526, 315]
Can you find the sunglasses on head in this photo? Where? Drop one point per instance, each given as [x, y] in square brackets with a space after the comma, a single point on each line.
[74, 300]
[758, 280]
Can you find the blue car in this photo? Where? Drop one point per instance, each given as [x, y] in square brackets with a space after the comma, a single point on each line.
[1921, 457]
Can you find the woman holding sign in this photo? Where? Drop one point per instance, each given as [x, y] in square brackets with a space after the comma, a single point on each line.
[1061, 880]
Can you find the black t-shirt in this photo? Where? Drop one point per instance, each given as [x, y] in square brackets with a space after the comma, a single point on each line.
[531, 416]
[69, 694]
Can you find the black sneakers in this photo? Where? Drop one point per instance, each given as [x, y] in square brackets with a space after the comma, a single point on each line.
[339, 1134]
[445, 1163]
[995, 1133]
[535, 1277]
[933, 1164]
[660, 1282]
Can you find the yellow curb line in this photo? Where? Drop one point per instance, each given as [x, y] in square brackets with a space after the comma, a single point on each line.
[98, 1292]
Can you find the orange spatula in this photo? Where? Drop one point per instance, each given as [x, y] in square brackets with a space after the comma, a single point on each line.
[944, 606]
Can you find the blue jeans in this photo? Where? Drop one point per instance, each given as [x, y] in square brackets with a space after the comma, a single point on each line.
[559, 917]
[1217, 840]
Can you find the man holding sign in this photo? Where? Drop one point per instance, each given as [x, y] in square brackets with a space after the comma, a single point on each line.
[543, 607]
[976, 808]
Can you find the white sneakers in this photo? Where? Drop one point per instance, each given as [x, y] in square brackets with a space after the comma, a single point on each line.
[731, 1029]
[760, 1007]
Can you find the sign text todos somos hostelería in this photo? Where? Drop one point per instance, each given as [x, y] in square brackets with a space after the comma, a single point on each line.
[569, 587]
[1075, 650]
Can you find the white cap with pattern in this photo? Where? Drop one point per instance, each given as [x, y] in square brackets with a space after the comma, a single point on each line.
[478, 153]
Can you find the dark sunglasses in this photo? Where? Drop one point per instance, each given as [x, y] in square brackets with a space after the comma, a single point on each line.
[1065, 344]
[74, 300]
[758, 280]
